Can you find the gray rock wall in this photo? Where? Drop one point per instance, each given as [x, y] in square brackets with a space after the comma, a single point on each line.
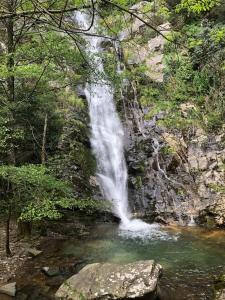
[182, 178]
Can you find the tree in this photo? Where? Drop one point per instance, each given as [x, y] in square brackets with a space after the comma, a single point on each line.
[197, 6]
[33, 79]
[29, 193]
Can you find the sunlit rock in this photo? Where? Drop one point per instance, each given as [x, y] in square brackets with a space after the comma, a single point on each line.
[112, 281]
[33, 252]
[8, 289]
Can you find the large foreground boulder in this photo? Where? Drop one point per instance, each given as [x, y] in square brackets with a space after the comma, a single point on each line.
[112, 281]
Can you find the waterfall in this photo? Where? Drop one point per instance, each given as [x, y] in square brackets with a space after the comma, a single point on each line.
[106, 132]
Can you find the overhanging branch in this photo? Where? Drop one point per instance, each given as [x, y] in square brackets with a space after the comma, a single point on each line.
[6, 15]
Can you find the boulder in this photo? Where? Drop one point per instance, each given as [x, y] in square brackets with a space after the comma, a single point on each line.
[112, 281]
[8, 289]
[33, 252]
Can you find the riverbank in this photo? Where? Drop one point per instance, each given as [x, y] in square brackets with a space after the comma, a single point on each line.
[9, 265]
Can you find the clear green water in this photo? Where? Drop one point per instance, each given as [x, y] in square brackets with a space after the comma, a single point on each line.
[191, 258]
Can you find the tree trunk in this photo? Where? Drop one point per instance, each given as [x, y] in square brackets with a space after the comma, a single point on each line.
[43, 152]
[7, 238]
[10, 67]
[10, 51]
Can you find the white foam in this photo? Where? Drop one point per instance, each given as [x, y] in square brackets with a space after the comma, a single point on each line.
[137, 225]
[137, 228]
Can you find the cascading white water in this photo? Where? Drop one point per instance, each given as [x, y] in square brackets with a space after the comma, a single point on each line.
[106, 129]
[107, 133]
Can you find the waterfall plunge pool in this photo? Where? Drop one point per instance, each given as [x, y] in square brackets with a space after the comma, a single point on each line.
[191, 257]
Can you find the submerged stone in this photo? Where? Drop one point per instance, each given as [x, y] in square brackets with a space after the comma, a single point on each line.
[51, 271]
[113, 281]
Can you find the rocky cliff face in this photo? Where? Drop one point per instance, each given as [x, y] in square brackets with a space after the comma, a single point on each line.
[174, 175]
[172, 178]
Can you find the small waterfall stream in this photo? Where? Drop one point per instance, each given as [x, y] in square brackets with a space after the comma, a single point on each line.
[107, 133]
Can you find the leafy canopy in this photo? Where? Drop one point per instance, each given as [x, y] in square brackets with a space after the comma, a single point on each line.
[197, 6]
[31, 193]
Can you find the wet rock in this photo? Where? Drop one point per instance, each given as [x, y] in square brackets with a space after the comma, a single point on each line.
[51, 271]
[161, 220]
[33, 252]
[81, 91]
[112, 281]
[8, 289]
[214, 215]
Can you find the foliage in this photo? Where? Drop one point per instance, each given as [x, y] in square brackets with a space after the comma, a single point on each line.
[31, 193]
[197, 6]
[89, 205]
[192, 95]
[46, 64]
[217, 188]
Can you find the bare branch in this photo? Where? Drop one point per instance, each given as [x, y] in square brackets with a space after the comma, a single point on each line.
[61, 17]
[6, 15]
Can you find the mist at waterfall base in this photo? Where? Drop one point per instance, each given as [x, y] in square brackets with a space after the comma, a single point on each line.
[107, 137]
